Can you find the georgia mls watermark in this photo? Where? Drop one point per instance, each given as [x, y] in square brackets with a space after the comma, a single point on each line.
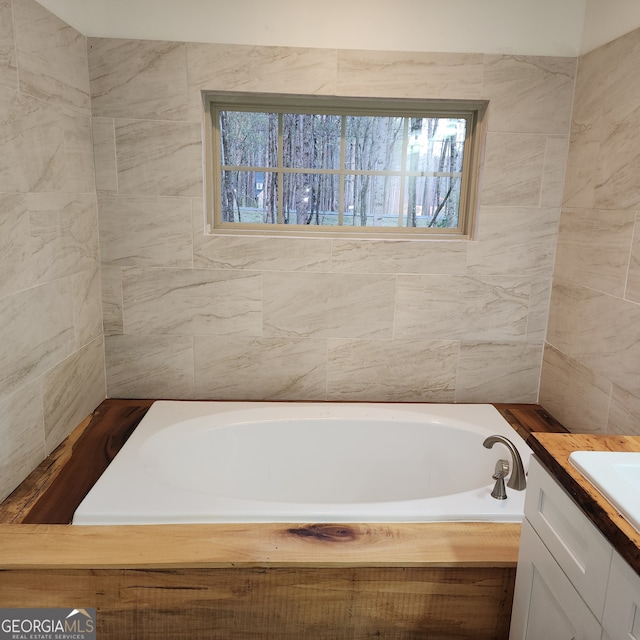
[47, 624]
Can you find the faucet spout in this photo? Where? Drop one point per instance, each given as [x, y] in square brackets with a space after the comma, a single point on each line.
[518, 480]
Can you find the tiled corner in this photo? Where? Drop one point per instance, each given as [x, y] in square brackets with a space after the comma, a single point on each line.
[78, 155]
[573, 393]
[150, 366]
[514, 240]
[624, 413]
[529, 94]
[51, 58]
[30, 346]
[500, 371]
[104, 154]
[21, 436]
[142, 79]
[611, 232]
[64, 406]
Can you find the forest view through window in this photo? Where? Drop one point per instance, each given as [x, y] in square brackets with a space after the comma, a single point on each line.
[339, 165]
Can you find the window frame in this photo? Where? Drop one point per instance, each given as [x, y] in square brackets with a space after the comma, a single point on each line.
[472, 110]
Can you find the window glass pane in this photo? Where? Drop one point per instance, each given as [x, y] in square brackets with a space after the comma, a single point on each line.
[311, 199]
[248, 139]
[373, 143]
[249, 196]
[431, 202]
[435, 144]
[311, 141]
[371, 201]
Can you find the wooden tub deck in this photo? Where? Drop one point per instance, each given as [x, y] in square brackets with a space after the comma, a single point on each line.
[236, 582]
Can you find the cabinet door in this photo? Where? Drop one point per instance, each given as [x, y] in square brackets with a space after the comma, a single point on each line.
[621, 619]
[546, 606]
[579, 548]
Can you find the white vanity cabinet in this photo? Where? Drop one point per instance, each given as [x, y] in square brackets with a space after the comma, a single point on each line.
[570, 583]
[621, 620]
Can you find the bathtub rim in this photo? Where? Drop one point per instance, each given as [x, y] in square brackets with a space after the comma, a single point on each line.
[42, 544]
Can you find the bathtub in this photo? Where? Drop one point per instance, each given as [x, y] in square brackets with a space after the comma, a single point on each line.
[233, 462]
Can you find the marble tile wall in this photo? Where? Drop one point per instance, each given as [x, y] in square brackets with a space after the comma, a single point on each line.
[591, 371]
[51, 339]
[194, 316]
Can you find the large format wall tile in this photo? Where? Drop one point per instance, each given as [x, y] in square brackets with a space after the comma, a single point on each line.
[71, 391]
[513, 170]
[529, 94]
[624, 413]
[191, 302]
[21, 436]
[398, 256]
[260, 254]
[52, 58]
[320, 318]
[555, 161]
[574, 394]
[462, 307]
[215, 67]
[145, 231]
[410, 75]
[328, 305]
[582, 230]
[417, 370]
[246, 368]
[618, 166]
[8, 68]
[632, 291]
[608, 82]
[50, 307]
[78, 155]
[32, 142]
[149, 366]
[87, 306]
[512, 240]
[64, 234]
[112, 302]
[15, 244]
[29, 345]
[138, 79]
[506, 371]
[104, 154]
[597, 330]
[158, 158]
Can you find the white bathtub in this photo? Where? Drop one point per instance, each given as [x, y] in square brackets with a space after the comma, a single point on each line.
[196, 462]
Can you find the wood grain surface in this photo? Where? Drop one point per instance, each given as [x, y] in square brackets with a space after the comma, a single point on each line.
[445, 581]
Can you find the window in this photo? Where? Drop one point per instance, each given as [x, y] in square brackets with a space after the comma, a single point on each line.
[301, 164]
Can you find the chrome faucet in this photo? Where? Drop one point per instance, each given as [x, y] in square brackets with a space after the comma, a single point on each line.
[518, 480]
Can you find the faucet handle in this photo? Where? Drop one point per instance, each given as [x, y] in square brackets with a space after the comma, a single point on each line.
[502, 470]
